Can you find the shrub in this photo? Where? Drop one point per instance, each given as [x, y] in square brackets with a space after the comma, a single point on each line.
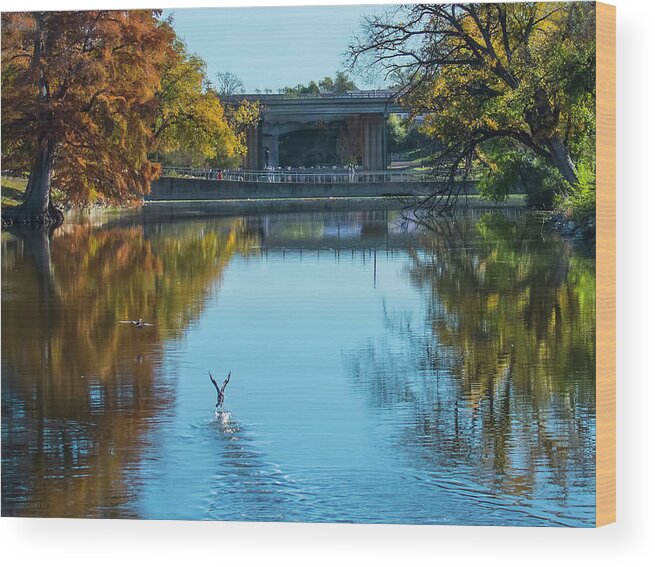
[580, 203]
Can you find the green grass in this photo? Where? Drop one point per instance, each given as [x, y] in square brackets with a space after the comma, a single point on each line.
[13, 189]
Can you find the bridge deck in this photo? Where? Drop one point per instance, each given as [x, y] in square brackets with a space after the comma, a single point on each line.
[351, 102]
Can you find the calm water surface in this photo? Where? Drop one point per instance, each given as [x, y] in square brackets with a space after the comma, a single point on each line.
[380, 373]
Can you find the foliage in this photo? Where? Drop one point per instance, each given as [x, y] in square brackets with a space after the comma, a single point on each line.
[397, 132]
[240, 116]
[340, 84]
[13, 189]
[81, 87]
[190, 118]
[405, 135]
[480, 73]
[311, 88]
[90, 99]
[506, 168]
[580, 202]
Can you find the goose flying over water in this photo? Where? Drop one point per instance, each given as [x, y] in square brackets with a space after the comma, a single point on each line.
[138, 323]
[220, 392]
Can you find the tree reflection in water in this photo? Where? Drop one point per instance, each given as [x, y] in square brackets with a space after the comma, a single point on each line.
[501, 378]
[79, 391]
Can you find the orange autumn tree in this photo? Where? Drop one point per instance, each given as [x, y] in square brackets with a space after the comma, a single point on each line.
[78, 105]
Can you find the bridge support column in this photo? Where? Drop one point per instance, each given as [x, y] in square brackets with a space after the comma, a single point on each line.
[255, 157]
[275, 152]
[373, 142]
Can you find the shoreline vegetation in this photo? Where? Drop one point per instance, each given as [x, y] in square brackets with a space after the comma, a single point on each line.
[502, 94]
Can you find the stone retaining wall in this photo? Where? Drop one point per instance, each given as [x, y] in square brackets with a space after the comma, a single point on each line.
[184, 189]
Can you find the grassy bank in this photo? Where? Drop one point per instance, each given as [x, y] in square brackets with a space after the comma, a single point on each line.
[13, 189]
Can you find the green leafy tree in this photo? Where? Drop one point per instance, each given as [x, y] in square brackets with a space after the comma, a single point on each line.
[340, 84]
[240, 115]
[311, 88]
[523, 73]
[397, 132]
[190, 118]
[327, 84]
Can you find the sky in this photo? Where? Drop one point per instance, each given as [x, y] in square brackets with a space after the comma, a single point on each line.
[273, 47]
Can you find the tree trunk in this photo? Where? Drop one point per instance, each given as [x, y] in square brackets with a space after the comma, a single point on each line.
[36, 244]
[543, 118]
[562, 160]
[36, 208]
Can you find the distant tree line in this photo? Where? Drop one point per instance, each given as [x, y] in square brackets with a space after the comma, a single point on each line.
[341, 83]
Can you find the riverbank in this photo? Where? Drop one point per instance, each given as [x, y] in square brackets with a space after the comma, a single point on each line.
[569, 227]
[13, 189]
[196, 207]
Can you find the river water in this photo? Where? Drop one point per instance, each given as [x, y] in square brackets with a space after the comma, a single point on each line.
[381, 372]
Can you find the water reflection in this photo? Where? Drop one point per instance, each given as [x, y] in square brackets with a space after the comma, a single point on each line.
[500, 376]
[79, 390]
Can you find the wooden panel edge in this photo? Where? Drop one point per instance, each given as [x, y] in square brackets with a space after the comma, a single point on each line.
[605, 264]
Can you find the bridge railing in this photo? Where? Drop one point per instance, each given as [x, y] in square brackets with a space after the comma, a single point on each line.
[376, 94]
[327, 176]
[294, 176]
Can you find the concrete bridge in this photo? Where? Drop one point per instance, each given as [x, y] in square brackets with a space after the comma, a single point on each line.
[299, 130]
